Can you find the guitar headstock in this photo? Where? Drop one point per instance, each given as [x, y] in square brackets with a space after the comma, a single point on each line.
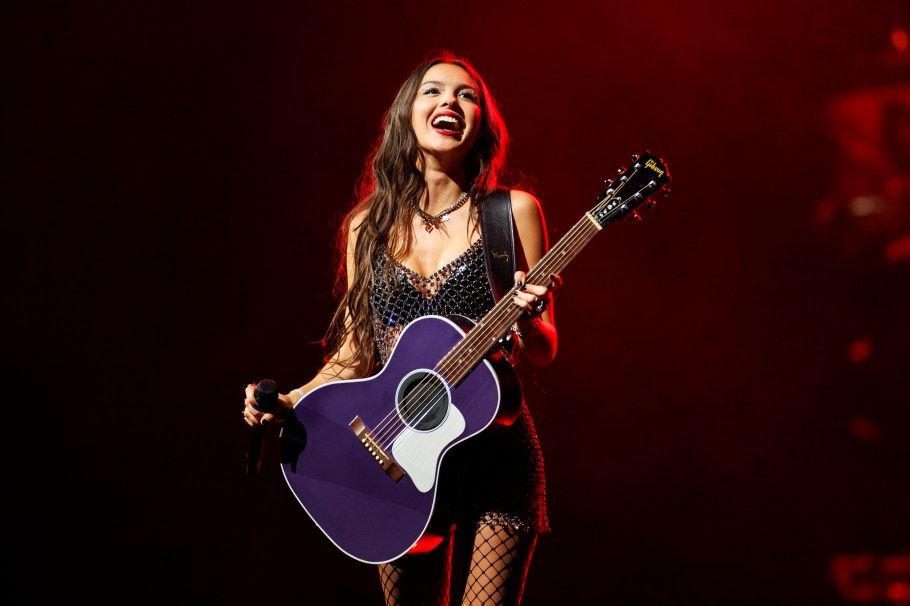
[647, 176]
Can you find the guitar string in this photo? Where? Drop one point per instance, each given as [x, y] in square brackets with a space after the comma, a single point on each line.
[551, 261]
[502, 315]
[506, 309]
[494, 320]
[430, 385]
[419, 398]
[422, 398]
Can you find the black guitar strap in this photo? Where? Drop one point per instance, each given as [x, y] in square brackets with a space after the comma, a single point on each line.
[498, 242]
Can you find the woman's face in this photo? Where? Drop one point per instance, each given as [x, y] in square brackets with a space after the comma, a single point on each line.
[446, 112]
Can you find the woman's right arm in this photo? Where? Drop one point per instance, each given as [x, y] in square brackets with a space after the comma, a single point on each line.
[335, 370]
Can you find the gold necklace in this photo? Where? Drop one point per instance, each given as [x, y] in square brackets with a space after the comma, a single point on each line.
[430, 221]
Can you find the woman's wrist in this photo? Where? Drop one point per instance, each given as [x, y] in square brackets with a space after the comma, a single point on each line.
[537, 340]
[296, 395]
[523, 328]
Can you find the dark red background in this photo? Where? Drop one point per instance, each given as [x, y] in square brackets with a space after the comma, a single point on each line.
[174, 173]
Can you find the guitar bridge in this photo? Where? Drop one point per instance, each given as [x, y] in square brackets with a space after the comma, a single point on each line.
[385, 460]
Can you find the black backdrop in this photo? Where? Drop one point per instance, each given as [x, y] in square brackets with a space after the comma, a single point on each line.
[173, 178]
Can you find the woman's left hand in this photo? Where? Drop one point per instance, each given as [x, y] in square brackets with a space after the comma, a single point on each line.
[534, 299]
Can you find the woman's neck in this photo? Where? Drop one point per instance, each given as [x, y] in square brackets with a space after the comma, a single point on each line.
[443, 188]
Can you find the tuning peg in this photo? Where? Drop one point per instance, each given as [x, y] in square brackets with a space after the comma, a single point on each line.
[608, 181]
[636, 216]
[651, 203]
[665, 191]
[635, 158]
[621, 170]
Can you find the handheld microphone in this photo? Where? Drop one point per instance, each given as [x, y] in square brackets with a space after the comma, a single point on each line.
[266, 395]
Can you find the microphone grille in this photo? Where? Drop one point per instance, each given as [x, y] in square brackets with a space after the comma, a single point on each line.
[266, 395]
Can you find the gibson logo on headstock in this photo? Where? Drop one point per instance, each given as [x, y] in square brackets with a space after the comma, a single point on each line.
[653, 166]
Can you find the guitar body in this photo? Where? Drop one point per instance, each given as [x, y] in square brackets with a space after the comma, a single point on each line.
[368, 511]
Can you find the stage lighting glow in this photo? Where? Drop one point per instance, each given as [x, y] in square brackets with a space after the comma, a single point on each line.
[899, 39]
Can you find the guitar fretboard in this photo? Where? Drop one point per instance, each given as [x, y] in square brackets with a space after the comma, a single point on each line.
[485, 336]
[632, 188]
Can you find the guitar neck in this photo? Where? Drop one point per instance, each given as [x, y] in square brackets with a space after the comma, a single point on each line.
[485, 336]
[621, 198]
[558, 257]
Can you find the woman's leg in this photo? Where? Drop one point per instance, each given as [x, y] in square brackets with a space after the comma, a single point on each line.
[499, 565]
[420, 579]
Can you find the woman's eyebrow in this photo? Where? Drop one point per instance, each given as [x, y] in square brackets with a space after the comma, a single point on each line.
[440, 83]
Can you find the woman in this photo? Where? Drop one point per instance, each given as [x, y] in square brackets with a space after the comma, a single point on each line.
[412, 246]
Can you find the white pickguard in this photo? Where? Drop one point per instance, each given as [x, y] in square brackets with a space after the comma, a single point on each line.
[418, 452]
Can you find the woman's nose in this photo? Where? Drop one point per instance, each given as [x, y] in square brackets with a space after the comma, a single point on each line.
[449, 99]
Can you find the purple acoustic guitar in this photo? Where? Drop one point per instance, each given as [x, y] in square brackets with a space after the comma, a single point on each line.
[363, 456]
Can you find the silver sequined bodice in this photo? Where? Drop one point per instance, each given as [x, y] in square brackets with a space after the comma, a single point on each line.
[461, 287]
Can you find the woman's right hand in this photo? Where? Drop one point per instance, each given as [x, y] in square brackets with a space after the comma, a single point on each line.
[255, 417]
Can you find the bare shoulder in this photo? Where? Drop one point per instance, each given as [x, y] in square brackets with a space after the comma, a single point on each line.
[354, 223]
[529, 222]
[357, 219]
[526, 209]
[524, 202]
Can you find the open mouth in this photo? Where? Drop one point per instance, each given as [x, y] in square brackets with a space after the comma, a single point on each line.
[448, 124]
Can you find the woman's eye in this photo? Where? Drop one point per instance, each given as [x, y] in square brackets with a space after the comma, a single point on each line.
[468, 94]
[432, 90]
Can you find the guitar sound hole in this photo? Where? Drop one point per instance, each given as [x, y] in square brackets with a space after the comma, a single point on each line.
[423, 401]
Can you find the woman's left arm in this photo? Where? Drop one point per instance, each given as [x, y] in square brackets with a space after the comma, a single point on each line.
[536, 327]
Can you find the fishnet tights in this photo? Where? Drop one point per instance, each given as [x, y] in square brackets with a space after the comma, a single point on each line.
[494, 575]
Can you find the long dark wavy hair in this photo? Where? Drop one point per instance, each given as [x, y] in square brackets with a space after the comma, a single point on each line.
[382, 214]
